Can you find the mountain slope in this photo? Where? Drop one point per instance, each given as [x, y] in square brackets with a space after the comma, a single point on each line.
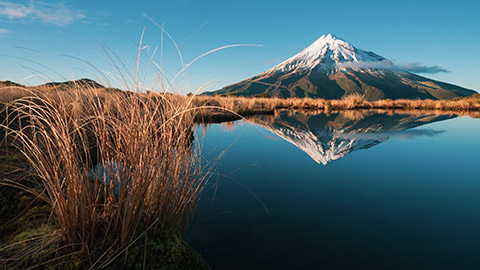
[332, 68]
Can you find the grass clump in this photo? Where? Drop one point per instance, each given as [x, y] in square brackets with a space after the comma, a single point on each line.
[115, 170]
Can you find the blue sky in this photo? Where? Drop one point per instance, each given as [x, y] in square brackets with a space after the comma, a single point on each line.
[42, 41]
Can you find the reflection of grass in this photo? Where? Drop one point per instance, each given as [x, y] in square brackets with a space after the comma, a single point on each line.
[62, 135]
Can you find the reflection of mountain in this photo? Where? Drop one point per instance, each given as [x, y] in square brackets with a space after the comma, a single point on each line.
[328, 138]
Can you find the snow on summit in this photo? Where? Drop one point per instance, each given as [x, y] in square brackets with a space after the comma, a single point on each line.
[331, 52]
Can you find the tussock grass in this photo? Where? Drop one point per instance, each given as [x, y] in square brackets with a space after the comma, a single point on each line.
[221, 108]
[114, 166]
[249, 105]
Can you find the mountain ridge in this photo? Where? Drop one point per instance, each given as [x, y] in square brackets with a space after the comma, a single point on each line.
[84, 82]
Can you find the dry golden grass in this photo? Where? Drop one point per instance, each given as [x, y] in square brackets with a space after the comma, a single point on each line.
[246, 105]
[109, 162]
[232, 107]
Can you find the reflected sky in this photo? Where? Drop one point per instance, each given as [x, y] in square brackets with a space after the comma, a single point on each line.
[402, 204]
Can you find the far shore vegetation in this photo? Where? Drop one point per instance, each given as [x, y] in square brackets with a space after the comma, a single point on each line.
[245, 106]
[95, 177]
[232, 106]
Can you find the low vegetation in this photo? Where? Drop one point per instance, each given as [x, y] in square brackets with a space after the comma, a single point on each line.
[253, 105]
[231, 106]
[115, 176]
[355, 101]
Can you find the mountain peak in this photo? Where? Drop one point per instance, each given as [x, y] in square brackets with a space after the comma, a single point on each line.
[327, 52]
[331, 41]
[329, 36]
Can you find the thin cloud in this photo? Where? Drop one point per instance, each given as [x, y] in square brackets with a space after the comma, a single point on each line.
[50, 13]
[417, 68]
[407, 67]
[4, 32]
[273, 61]
[130, 21]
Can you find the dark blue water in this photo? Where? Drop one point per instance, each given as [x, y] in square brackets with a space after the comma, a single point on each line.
[377, 191]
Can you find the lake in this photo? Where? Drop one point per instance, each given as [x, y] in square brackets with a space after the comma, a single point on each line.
[352, 190]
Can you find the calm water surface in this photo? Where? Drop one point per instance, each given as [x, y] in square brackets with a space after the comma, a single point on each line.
[342, 191]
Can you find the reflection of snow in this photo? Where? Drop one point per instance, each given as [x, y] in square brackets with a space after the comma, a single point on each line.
[324, 143]
[383, 136]
[320, 150]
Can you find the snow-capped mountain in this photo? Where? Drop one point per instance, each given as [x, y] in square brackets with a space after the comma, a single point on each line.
[332, 68]
[329, 138]
[329, 53]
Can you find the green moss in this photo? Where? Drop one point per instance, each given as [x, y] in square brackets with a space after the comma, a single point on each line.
[20, 211]
[30, 233]
[158, 250]
[163, 251]
[46, 258]
[9, 161]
